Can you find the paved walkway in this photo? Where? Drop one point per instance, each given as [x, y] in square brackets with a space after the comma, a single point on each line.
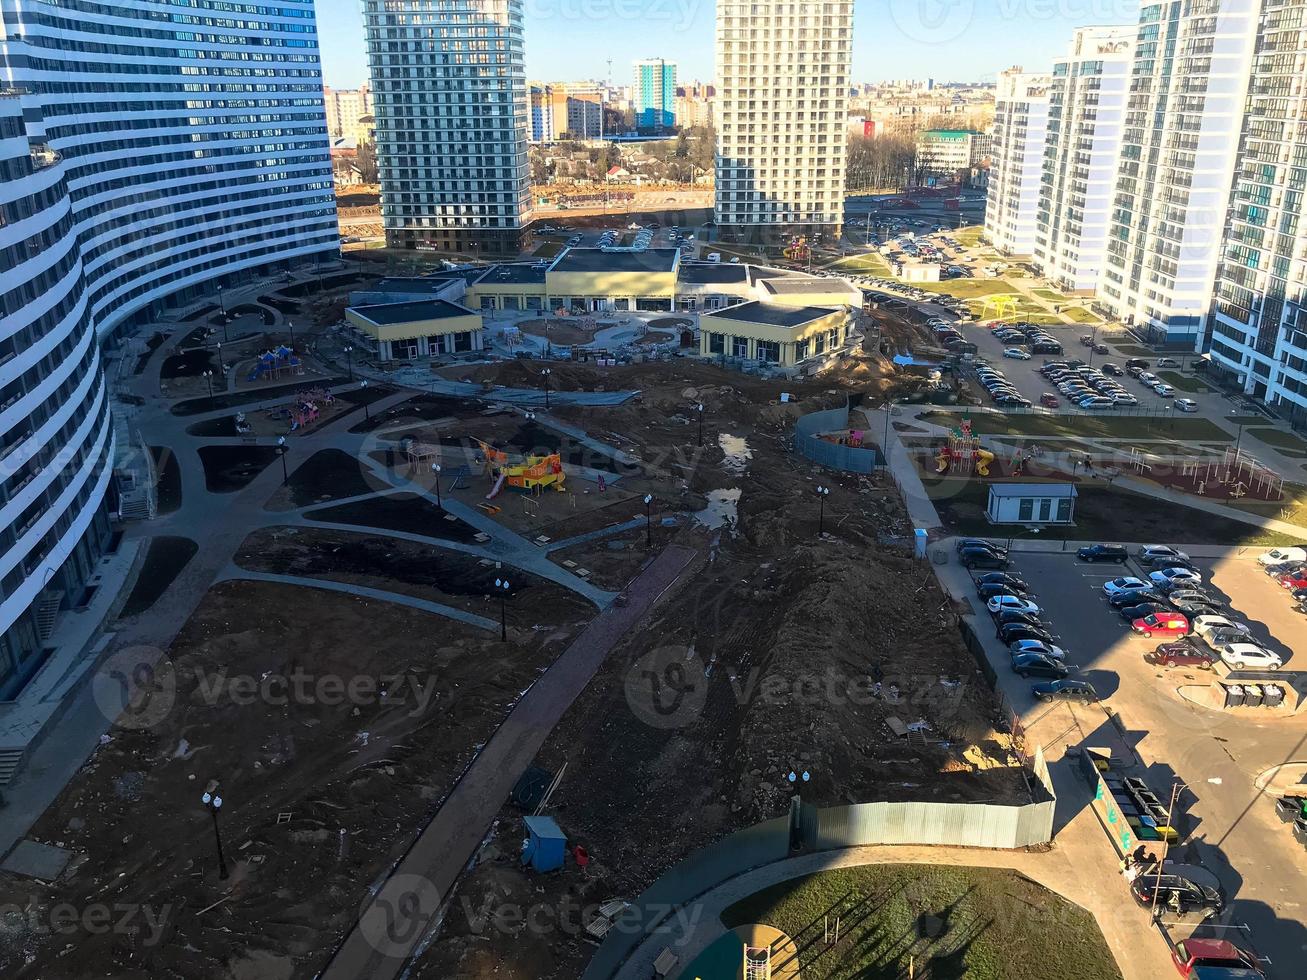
[379, 946]
[921, 509]
[398, 598]
[1124, 926]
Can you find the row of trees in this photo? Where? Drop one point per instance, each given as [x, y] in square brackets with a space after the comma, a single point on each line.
[679, 160]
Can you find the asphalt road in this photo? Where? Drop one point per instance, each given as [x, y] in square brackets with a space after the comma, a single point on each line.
[1232, 829]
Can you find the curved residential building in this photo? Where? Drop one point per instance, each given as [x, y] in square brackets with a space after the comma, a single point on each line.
[150, 152]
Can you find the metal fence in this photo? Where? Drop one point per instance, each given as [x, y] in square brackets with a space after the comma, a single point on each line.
[831, 454]
[823, 829]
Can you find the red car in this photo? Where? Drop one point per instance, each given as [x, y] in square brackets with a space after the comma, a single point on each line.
[1049, 400]
[1179, 655]
[1215, 958]
[1162, 624]
[1295, 580]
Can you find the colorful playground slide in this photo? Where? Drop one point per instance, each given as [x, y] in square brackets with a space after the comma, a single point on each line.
[983, 458]
[499, 485]
[528, 473]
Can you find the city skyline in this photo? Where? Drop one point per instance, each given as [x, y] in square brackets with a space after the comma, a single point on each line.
[892, 39]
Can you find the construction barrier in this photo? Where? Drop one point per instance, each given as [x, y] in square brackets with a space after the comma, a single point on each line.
[826, 453]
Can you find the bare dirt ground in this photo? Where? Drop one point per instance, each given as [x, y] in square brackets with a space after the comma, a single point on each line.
[784, 634]
[356, 779]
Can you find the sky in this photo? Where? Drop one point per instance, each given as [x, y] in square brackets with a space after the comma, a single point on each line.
[948, 40]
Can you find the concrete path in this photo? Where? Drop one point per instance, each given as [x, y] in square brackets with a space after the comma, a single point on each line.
[698, 924]
[404, 911]
[603, 532]
[398, 598]
[921, 509]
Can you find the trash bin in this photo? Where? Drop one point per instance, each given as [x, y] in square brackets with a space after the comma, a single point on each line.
[1234, 696]
[1274, 696]
[1252, 695]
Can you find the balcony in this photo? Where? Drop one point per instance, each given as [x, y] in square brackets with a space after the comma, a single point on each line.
[44, 156]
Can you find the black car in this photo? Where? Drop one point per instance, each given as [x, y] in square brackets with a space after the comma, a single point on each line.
[1299, 595]
[1175, 893]
[1000, 578]
[1191, 608]
[1065, 691]
[1131, 613]
[991, 589]
[1111, 369]
[1035, 665]
[1014, 616]
[965, 543]
[983, 558]
[1133, 597]
[1103, 552]
[1166, 561]
[1013, 632]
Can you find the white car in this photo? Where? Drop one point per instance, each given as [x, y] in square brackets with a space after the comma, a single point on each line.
[1175, 575]
[1164, 390]
[1186, 405]
[1278, 556]
[1010, 603]
[1205, 626]
[1151, 552]
[1016, 353]
[1241, 655]
[1123, 584]
[1037, 646]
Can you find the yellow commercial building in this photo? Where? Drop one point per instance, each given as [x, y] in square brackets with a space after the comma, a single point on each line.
[582, 280]
[403, 331]
[780, 335]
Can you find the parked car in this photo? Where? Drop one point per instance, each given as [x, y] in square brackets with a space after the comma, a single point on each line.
[1015, 632]
[1137, 362]
[1186, 405]
[1162, 624]
[1240, 656]
[983, 558]
[1214, 959]
[1034, 665]
[991, 589]
[1133, 597]
[999, 603]
[1175, 893]
[1150, 553]
[1004, 578]
[1110, 368]
[1049, 400]
[1193, 608]
[1103, 552]
[1295, 580]
[964, 543]
[1164, 390]
[1180, 654]
[1278, 556]
[1020, 648]
[1016, 354]
[1131, 613]
[1125, 583]
[1167, 362]
[1205, 626]
[1175, 575]
[1065, 690]
[1194, 595]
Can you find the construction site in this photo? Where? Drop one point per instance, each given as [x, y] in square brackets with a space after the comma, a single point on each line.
[443, 554]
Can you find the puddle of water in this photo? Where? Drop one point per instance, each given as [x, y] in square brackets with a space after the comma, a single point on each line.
[723, 509]
[737, 453]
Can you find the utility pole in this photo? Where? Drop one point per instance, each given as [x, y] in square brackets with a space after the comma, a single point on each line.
[1176, 787]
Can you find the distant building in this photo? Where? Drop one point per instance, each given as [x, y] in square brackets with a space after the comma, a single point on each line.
[692, 112]
[654, 94]
[566, 110]
[1017, 161]
[346, 111]
[949, 153]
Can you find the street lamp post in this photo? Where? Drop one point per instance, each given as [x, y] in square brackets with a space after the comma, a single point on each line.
[545, 374]
[502, 587]
[1238, 441]
[282, 449]
[349, 359]
[822, 494]
[290, 327]
[884, 446]
[648, 520]
[208, 376]
[367, 412]
[213, 802]
[435, 478]
[221, 367]
[699, 409]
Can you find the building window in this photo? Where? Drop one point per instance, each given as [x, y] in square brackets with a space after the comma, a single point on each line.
[716, 343]
[1026, 510]
[769, 351]
[801, 350]
[740, 346]
[1064, 510]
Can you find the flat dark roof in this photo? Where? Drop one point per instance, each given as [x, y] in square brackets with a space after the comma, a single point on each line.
[428, 309]
[715, 273]
[757, 272]
[804, 285]
[772, 316]
[597, 260]
[401, 284]
[512, 275]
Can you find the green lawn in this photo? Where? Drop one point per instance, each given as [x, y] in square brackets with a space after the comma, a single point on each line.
[995, 925]
[1092, 426]
[969, 288]
[970, 235]
[548, 250]
[1078, 314]
[1184, 382]
[1293, 508]
[1278, 439]
[1105, 513]
[869, 263]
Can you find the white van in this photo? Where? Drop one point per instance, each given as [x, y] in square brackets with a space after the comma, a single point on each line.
[714, 256]
[1278, 556]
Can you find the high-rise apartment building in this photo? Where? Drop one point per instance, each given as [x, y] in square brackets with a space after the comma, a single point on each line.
[565, 110]
[1017, 161]
[346, 108]
[782, 105]
[654, 94]
[1086, 114]
[1259, 329]
[129, 181]
[451, 112]
[1187, 100]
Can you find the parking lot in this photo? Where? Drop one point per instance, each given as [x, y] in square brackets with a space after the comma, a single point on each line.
[1229, 826]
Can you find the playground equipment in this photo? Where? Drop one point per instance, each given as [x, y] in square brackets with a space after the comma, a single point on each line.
[798, 250]
[530, 473]
[276, 364]
[305, 411]
[963, 452]
[999, 306]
